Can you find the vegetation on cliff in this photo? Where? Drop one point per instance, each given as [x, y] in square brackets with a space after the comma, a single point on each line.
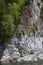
[10, 15]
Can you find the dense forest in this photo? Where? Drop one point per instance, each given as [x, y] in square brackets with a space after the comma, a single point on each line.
[10, 15]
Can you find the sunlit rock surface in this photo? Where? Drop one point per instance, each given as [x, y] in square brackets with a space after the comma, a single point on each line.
[27, 43]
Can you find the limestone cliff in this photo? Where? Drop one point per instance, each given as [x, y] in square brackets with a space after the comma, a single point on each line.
[26, 44]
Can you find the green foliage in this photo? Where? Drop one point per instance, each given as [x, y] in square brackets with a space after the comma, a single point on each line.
[8, 24]
[2, 8]
[14, 10]
[10, 16]
[22, 2]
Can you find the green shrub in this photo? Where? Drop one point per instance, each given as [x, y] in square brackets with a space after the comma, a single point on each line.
[10, 16]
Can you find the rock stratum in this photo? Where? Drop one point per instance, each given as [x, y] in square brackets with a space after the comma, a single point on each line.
[27, 42]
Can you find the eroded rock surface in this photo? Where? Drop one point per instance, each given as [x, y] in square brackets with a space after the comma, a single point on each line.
[27, 44]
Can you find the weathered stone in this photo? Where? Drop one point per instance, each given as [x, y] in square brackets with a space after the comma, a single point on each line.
[26, 44]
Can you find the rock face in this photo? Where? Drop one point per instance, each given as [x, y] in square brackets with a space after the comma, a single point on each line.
[27, 44]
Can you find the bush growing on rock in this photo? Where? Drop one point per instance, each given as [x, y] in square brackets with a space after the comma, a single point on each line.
[10, 16]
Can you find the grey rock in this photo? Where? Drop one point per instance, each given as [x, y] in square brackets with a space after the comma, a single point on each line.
[26, 45]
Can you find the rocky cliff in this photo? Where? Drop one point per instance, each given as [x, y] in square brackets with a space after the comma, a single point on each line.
[27, 43]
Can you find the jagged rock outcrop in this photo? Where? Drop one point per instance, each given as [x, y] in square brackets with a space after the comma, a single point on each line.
[26, 44]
